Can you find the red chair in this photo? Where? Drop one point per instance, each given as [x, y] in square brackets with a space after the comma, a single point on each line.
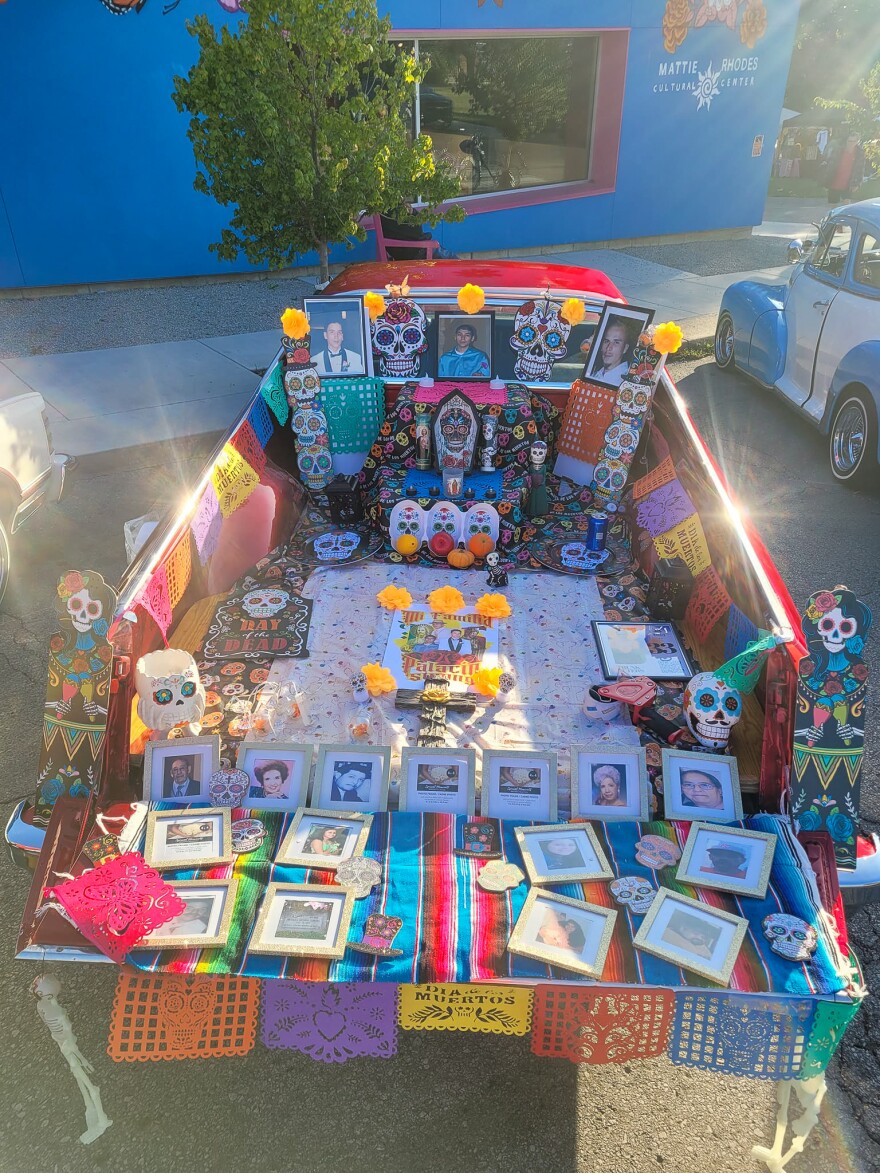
[382, 242]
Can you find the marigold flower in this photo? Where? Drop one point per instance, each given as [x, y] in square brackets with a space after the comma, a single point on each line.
[471, 298]
[667, 338]
[379, 679]
[294, 323]
[375, 304]
[485, 681]
[394, 598]
[492, 606]
[446, 599]
[572, 311]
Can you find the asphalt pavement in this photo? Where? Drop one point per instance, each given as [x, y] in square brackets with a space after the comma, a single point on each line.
[447, 1101]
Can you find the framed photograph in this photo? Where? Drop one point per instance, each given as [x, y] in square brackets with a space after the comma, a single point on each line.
[464, 346]
[519, 784]
[641, 649]
[701, 787]
[204, 923]
[562, 852]
[614, 343]
[572, 934]
[279, 773]
[200, 838]
[179, 769]
[441, 780]
[338, 336]
[690, 934]
[352, 777]
[323, 839]
[303, 920]
[609, 782]
[729, 858]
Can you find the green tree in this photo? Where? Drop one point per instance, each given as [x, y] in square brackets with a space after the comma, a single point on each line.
[863, 119]
[837, 44]
[298, 122]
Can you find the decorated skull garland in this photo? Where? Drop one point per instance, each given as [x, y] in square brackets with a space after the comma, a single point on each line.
[169, 689]
[265, 602]
[400, 338]
[539, 337]
[633, 398]
[789, 936]
[228, 787]
[621, 439]
[336, 547]
[247, 835]
[610, 476]
[634, 893]
[711, 709]
[316, 465]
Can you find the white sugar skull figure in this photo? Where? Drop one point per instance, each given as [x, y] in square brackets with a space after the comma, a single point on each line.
[316, 465]
[633, 398]
[247, 835]
[265, 602]
[711, 709]
[228, 787]
[445, 518]
[482, 519]
[634, 893]
[789, 936]
[359, 688]
[169, 690]
[336, 547]
[84, 610]
[399, 338]
[621, 439]
[539, 338]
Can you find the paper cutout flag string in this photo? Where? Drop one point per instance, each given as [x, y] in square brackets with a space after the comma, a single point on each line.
[830, 720]
[600, 1025]
[156, 599]
[500, 1010]
[234, 479]
[172, 1016]
[207, 524]
[740, 632]
[178, 570]
[763, 1037]
[708, 602]
[686, 541]
[77, 691]
[588, 412]
[661, 475]
[830, 1020]
[331, 1022]
[272, 393]
[261, 421]
[246, 443]
[664, 508]
[118, 903]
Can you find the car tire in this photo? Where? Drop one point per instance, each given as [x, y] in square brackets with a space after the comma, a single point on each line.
[724, 341]
[5, 561]
[852, 442]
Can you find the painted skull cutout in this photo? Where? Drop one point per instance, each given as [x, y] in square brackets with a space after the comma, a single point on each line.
[247, 835]
[336, 547]
[789, 936]
[610, 476]
[633, 399]
[169, 689]
[301, 385]
[316, 465]
[711, 709]
[83, 610]
[228, 787]
[634, 893]
[444, 518]
[407, 520]
[400, 338]
[539, 337]
[621, 439]
[482, 519]
[265, 602]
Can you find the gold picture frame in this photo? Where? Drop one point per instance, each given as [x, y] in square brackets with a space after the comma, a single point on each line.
[544, 869]
[630, 762]
[525, 938]
[374, 761]
[658, 933]
[349, 820]
[157, 752]
[266, 937]
[296, 757]
[726, 843]
[157, 843]
[161, 939]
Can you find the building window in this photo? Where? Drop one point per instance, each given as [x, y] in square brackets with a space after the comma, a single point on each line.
[510, 113]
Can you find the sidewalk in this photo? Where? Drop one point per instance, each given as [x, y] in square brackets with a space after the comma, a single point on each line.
[186, 385]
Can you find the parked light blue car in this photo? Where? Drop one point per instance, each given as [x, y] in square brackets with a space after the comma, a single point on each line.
[816, 340]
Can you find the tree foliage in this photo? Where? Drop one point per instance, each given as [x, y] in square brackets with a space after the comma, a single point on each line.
[837, 44]
[298, 123]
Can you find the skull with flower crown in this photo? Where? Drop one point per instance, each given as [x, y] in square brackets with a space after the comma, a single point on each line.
[400, 338]
[539, 337]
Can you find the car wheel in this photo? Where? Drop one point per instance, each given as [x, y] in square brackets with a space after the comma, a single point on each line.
[724, 341]
[5, 561]
[853, 441]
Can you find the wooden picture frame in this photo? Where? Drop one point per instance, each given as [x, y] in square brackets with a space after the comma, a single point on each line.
[507, 791]
[294, 756]
[161, 753]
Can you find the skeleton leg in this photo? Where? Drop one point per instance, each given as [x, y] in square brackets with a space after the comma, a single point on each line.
[811, 1093]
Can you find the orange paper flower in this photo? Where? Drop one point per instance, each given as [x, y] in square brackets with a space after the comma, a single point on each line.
[572, 311]
[379, 679]
[667, 338]
[375, 304]
[485, 681]
[294, 323]
[394, 598]
[446, 599]
[492, 606]
[471, 298]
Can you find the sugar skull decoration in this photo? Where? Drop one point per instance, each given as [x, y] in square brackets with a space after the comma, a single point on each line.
[610, 476]
[444, 529]
[169, 689]
[456, 429]
[539, 338]
[247, 835]
[789, 936]
[80, 654]
[621, 438]
[228, 787]
[633, 399]
[407, 527]
[302, 388]
[336, 546]
[654, 851]
[633, 893]
[265, 602]
[713, 701]
[400, 335]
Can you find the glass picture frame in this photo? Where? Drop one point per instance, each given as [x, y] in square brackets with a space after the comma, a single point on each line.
[196, 838]
[692, 935]
[180, 764]
[701, 787]
[279, 773]
[561, 853]
[609, 782]
[324, 838]
[519, 784]
[352, 777]
[565, 933]
[457, 359]
[613, 346]
[303, 920]
[206, 921]
[731, 859]
[641, 648]
[441, 781]
[339, 336]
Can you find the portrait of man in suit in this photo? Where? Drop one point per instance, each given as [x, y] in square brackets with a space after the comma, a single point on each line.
[179, 780]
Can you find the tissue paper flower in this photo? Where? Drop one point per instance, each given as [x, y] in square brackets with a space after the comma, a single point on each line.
[394, 598]
[294, 323]
[492, 606]
[375, 304]
[379, 679]
[446, 599]
[485, 681]
[667, 338]
[572, 311]
[471, 298]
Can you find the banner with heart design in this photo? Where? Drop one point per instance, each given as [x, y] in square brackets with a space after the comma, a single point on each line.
[331, 1022]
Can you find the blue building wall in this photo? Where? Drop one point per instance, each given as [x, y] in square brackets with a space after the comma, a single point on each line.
[96, 170]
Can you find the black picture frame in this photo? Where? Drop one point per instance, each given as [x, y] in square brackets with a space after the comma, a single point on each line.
[636, 320]
[653, 664]
[446, 323]
[356, 338]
